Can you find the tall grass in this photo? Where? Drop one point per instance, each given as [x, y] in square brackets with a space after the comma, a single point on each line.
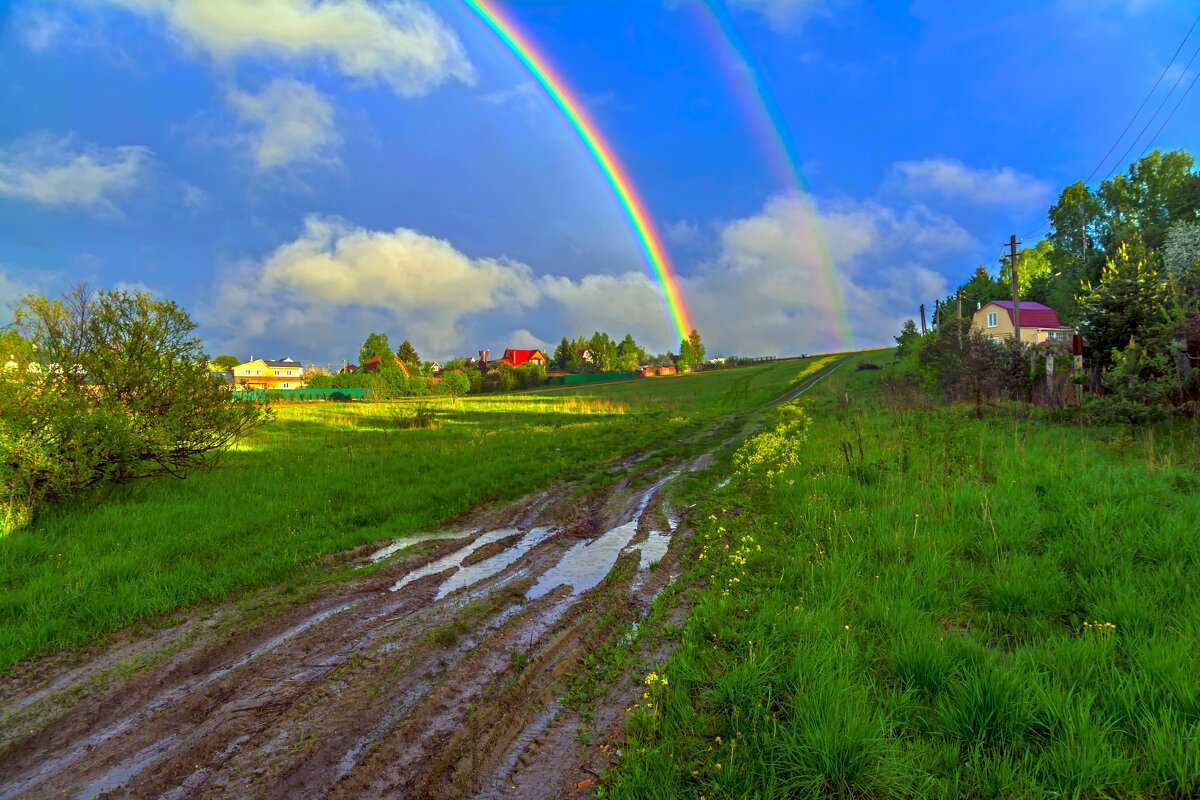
[929, 605]
[322, 479]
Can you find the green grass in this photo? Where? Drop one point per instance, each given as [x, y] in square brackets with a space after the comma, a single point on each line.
[322, 479]
[928, 605]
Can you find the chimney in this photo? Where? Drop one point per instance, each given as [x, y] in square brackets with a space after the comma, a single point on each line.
[483, 355]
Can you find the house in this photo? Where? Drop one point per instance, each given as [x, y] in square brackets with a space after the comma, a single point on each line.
[585, 355]
[1039, 323]
[286, 373]
[435, 368]
[515, 358]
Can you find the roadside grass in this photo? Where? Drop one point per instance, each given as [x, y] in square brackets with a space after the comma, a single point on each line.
[324, 479]
[929, 605]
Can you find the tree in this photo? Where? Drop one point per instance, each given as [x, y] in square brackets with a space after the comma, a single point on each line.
[226, 362]
[1077, 219]
[906, 342]
[603, 353]
[453, 383]
[317, 378]
[1181, 252]
[408, 354]
[107, 387]
[563, 354]
[687, 356]
[1160, 188]
[697, 347]
[377, 345]
[1131, 302]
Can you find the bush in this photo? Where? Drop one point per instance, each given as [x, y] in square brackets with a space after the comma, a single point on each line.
[106, 387]
[529, 376]
[453, 383]
[319, 380]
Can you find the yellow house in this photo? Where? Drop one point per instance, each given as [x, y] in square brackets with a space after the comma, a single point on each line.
[1039, 323]
[286, 373]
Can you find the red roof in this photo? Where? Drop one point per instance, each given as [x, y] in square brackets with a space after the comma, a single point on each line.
[519, 357]
[1033, 315]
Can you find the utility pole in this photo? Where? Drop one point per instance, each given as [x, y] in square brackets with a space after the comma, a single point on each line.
[922, 319]
[958, 319]
[1012, 244]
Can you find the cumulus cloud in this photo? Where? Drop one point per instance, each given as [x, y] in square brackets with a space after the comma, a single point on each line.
[952, 178]
[399, 276]
[786, 16]
[402, 45]
[522, 339]
[292, 122]
[56, 171]
[772, 288]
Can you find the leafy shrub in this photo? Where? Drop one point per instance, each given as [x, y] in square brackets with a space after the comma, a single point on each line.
[106, 387]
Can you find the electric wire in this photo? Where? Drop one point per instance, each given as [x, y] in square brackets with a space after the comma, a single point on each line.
[1150, 94]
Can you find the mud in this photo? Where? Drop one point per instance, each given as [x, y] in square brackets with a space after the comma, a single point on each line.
[436, 666]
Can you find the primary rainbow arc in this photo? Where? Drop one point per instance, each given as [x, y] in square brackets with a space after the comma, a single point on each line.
[555, 87]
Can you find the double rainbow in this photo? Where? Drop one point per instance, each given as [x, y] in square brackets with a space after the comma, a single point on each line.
[775, 140]
[554, 85]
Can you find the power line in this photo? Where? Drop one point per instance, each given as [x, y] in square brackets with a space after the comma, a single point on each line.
[1129, 124]
[1150, 121]
[1173, 110]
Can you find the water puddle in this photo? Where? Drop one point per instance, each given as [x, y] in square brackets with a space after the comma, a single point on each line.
[454, 559]
[416, 538]
[653, 549]
[586, 564]
[116, 777]
[490, 566]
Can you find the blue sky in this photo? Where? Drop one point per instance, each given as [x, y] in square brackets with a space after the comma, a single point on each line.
[298, 173]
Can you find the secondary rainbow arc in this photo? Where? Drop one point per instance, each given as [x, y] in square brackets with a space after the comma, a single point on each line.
[776, 142]
[616, 176]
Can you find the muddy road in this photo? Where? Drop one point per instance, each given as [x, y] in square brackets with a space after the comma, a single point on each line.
[494, 659]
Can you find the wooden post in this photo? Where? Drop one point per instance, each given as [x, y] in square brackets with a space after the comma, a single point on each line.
[1016, 281]
[922, 319]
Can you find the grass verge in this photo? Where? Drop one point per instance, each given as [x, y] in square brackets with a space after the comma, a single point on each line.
[928, 605]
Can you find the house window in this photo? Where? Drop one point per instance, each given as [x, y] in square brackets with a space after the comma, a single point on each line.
[285, 385]
[258, 372]
[276, 372]
[992, 319]
[995, 340]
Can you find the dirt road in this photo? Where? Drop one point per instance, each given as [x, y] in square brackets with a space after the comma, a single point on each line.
[494, 660]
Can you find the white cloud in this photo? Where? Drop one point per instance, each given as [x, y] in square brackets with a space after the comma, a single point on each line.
[952, 178]
[522, 92]
[40, 30]
[522, 339]
[771, 289]
[403, 45]
[401, 277]
[786, 16]
[293, 121]
[682, 232]
[193, 197]
[10, 290]
[57, 171]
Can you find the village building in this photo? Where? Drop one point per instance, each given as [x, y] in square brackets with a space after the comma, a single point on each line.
[1039, 323]
[515, 358]
[286, 373]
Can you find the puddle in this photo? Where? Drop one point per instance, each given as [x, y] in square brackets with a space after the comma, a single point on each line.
[416, 538]
[115, 778]
[454, 559]
[586, 564]
[653, 549]
[490, 566]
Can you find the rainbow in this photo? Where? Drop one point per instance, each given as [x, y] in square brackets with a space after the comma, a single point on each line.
[554, 85]
[758, 104]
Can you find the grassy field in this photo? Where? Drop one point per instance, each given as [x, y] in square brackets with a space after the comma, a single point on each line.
[322, 479]
[928, 605]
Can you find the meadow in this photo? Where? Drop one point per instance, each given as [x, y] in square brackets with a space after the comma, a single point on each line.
[917, 603]
[322, 479]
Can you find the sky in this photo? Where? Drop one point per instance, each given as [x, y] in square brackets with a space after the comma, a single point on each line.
[299, 173]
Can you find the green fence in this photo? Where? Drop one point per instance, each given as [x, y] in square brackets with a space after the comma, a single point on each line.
[301, 395]
[596, 377]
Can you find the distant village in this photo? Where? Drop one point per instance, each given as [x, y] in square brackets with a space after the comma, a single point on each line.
[573, 362]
